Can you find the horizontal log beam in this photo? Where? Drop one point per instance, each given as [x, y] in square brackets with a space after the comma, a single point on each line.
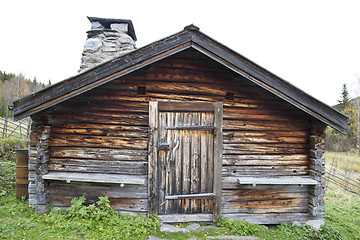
[191, 196]
[95, 177]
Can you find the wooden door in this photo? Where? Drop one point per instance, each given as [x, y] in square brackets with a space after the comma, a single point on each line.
[185, 158]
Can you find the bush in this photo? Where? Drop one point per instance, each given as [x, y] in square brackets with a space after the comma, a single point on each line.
[8, 147]
[8, 163]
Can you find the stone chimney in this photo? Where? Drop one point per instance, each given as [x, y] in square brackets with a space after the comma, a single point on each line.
[107, 39]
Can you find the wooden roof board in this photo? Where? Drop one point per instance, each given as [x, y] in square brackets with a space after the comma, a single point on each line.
[161, 49]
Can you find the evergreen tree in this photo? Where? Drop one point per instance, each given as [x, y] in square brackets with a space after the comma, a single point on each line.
[345, 100]
[336, 141]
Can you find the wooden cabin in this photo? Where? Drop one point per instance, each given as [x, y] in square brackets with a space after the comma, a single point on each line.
[185, 128]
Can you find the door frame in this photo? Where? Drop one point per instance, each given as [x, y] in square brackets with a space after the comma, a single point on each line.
[153, 172]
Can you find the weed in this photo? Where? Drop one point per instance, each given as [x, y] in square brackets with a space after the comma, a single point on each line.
[240, 228]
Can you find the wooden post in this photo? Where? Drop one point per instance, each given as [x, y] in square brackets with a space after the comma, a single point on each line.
[218, 153]
[153, 205]
[38, 166]
[317, 169]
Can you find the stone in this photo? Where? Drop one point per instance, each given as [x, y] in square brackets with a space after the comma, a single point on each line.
[124, 38]
[315, 224]
[109, 49]
[296, 224]
[96, 25]
[121, 27]
[106, 42]
[92, 45]
[167, 228]
[193, 227]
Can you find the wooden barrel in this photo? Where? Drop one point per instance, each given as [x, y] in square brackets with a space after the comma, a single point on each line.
[22, 182]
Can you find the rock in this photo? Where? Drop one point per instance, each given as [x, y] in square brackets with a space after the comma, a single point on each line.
[92, 45]
[296, 224]
[121, 27]
[167, 228]
[315, 224]
[193, 227]
[96, 25]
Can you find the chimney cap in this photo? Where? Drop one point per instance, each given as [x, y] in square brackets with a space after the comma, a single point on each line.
[106, 22]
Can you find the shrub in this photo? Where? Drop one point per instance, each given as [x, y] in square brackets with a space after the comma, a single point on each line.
[8, 163]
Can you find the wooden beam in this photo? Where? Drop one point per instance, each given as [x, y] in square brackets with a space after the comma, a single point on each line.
[218, 153]
[153, 203]
[193, 106]
[276, 181]
[194, 128]
[191, 196]
[95, 177]
[177, 218]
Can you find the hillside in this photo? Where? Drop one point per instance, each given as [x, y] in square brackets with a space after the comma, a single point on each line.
[14, 86]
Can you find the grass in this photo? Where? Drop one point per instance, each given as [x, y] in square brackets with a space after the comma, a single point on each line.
[343, 160]
[98, 221]
[347, 166]
[8, 164]
[13, 128]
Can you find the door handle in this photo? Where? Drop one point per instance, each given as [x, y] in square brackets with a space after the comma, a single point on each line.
[172, 158]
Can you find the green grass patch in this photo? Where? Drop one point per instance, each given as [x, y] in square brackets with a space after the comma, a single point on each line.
[99, 221]
[96, 221]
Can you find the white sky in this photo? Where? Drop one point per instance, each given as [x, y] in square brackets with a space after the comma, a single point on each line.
[315, 45]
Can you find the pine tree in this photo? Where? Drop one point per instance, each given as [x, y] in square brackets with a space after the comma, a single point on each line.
[336, 141]
[345, 100]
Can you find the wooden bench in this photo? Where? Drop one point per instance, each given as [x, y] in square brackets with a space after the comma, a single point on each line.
[95, 177]
[276, 181]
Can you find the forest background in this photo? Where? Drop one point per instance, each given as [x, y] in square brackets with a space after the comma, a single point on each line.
[14, 86]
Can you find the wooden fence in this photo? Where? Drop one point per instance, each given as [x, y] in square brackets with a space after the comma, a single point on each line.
[10, 128]
[342, 180]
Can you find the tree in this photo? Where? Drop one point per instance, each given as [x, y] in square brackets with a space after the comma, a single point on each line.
[345, 100]
[336, 141]
[19, 86]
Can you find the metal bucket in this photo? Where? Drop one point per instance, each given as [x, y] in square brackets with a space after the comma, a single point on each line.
[22, 172]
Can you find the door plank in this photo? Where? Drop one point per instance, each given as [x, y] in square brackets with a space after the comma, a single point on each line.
[186, 163]
[195, 163]
[162, 165]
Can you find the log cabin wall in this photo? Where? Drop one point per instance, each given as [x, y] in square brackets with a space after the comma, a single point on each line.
[38, 163]
[106, 131]
[317, 169]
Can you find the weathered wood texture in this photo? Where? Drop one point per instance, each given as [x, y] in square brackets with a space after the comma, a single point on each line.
[125, 199]
[189, 168]
[106, 129]
[38, 166]
[317, 169]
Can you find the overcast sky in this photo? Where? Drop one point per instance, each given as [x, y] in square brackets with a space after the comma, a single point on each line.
[315, 45]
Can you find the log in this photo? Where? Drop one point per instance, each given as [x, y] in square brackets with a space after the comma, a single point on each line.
[95, 177]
